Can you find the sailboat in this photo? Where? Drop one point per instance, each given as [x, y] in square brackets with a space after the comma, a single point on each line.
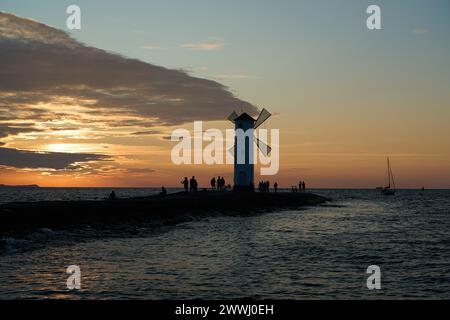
[388, 190]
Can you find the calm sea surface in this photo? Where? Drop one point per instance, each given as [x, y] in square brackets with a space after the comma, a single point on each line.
[320, 252]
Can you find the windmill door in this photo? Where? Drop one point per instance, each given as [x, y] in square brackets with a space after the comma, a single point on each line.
[242, 177]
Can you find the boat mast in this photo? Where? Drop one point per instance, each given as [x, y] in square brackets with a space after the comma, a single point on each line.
[389, 173]
[392, 176]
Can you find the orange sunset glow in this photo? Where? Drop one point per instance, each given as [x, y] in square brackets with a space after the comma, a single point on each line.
[78, 115]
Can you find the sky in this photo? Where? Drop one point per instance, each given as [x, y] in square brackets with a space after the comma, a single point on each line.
[95, 107]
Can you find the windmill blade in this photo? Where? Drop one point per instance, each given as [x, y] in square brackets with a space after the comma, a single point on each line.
[233, 116]
[265, 149]
[263, 116]
[231, 151]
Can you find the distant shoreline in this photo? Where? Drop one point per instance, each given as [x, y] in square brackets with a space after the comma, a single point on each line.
[19, 186]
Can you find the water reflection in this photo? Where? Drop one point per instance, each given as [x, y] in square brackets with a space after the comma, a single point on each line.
[316, 253]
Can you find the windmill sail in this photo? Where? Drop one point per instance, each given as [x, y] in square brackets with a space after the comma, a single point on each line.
[265, 149]
[263, 116]
[232, 116]
[231, 150]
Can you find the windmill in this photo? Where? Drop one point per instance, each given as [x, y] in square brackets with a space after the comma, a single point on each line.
[244, 172]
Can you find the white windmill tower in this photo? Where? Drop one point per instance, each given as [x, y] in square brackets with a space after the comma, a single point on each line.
[244, 170]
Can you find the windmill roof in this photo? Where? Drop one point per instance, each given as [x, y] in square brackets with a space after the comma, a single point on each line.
[245, 116]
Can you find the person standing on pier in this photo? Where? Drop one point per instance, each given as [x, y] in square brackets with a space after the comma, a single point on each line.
[222, 183]
[275, 186]
[303, 186]
[192, 184]
[112, 196]
[185, 184]
[213, 183]
[195, 184]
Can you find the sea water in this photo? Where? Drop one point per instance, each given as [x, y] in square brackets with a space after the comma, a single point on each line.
[312, 253]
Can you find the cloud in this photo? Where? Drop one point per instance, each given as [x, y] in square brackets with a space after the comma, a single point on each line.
[49, 160]
[150, 47]
[7, 129]
[46, 75]
[205, 45]
[140, 170]
[235, 77]
[20, 29]
[420, 30]
[146, 133]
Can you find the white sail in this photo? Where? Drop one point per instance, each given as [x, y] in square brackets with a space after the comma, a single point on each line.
[263, 116]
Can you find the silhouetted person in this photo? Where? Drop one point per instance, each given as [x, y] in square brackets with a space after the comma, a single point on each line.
[300, 186]
[163, 192]
[303, 186]
[112, 196]
[220, 183]
[191, 183]
[213, 183]
[185, 183]
[275, 186]
[195, 184]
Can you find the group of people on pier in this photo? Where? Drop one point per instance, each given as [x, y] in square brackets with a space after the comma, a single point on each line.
[218, 183]
[301, 187]
[264, 186]
[190, 185]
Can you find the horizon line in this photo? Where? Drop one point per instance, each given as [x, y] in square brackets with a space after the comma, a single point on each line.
[207, 188]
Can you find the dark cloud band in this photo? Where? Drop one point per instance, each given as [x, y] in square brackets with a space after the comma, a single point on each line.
[39, 63]
[48, 160]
